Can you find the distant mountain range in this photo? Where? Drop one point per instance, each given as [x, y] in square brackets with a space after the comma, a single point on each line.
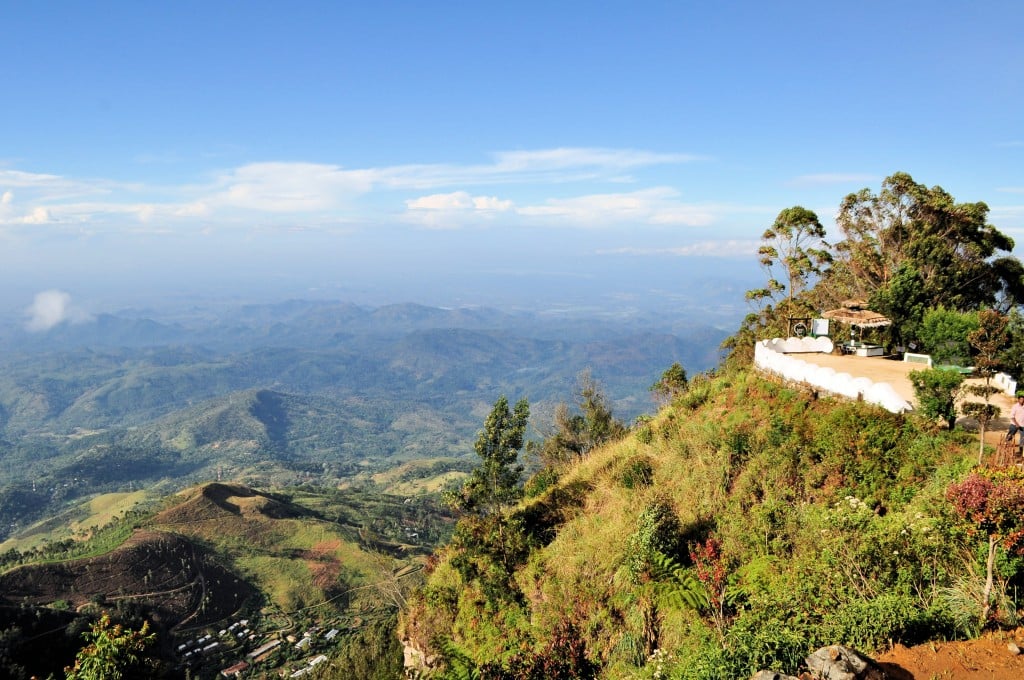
[279, 393]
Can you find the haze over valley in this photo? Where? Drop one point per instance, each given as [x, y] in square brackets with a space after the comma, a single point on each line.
[343, 338]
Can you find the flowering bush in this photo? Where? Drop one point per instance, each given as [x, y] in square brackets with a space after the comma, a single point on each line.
[992, 503]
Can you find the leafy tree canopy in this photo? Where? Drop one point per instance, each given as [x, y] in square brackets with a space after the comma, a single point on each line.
[113, 652]
[910, 248]
[795, 245]
[495, 483]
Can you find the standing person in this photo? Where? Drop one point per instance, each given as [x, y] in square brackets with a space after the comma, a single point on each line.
[1016, 418]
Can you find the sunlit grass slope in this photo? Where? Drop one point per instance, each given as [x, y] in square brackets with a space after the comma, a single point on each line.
[802, 521]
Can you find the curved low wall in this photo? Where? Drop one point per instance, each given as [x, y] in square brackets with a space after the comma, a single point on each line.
[1006, 383]
[821, 345]
[775, 356]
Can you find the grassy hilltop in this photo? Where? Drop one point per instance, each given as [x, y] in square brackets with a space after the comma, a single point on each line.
[744, 526]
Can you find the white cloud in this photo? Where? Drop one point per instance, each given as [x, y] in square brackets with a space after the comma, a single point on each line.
[282, 191]
[39, 215]
[492, 203]
[50, 308]
[288, 187]
[459, 200]
[1011, 190]
[659, 206]
[454, 210]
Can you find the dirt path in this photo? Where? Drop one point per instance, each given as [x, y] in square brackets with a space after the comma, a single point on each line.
[987, 657]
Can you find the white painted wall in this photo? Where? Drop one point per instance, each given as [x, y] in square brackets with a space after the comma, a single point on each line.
[776, 356]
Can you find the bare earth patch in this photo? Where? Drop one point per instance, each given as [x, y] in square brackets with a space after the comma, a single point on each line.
[987, 657]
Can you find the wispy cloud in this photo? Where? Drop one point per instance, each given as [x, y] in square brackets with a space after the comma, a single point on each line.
[655, 206]
[1008, 213]
[1011, 190]
[517, 167]
[286, 190]
[41, 186]
[658, 206]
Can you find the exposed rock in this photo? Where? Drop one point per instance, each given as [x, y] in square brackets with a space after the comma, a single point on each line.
[842, 663]
[1014, 649]
[832, 663]
[415, 661]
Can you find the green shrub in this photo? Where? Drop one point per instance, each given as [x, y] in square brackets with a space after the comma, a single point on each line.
[944, 333]
[540, 482]
[636, 472]
[761, 639]
[937, 391]
[879, 622]
[657, 531]
[698, 395]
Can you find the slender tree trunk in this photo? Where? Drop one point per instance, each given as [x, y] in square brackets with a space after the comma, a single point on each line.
[981, 439]
[989, 568]
[984, 417]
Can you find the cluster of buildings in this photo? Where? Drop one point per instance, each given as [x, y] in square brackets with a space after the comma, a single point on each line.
[241, 630]
[313, 663]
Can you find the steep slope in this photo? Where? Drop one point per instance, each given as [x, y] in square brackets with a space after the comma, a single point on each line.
[744, 526]
[174, 579]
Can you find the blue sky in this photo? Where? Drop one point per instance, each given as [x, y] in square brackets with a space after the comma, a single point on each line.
[476, 152]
